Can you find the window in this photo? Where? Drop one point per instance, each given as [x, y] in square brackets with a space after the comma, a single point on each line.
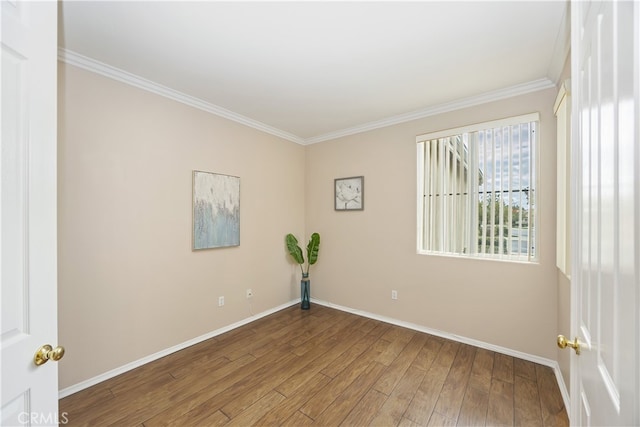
[477, 190]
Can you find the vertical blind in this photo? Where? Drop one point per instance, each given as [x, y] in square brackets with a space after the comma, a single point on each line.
[477, 190]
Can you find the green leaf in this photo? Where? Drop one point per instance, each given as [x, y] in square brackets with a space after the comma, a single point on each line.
[312, 248]
[294, 250]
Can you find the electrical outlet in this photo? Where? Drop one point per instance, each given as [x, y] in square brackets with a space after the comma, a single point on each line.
[220, 301]
[394, 294]
[249, 293]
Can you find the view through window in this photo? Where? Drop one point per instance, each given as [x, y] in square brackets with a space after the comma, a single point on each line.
[477, 190]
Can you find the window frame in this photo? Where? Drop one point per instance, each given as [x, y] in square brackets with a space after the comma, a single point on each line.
[420, 194]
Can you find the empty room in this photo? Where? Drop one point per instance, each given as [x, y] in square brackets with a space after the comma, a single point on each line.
[329, 213]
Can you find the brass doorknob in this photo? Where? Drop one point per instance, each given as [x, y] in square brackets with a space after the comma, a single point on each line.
[46, 353]
[563, 342]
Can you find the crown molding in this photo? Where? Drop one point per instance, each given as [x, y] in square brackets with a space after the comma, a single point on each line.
[109, 71]
[106, 70]
[484, 98]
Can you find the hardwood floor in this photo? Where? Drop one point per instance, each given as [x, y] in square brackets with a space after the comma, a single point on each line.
[324, 367]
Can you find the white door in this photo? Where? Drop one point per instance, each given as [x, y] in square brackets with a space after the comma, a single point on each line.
[606, 201]
[28, 207]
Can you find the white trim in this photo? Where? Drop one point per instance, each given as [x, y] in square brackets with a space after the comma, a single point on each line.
[496, 95]
[566, 398]
[137, 363]
[420, 197]
[508, 121]
[481, 344]
[122, 76]
[563, 91]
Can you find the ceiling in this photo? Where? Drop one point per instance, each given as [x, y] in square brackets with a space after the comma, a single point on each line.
[312, 71]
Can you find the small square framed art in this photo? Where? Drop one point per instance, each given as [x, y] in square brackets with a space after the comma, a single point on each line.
[349, 193]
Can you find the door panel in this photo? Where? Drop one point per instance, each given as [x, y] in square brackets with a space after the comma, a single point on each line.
[14, 181]
[29, 394]
[605, 292]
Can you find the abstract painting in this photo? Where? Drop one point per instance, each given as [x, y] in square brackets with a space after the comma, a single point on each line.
[216, 210]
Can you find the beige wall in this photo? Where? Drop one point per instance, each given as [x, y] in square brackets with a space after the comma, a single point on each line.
[129, 283]
[366, 254]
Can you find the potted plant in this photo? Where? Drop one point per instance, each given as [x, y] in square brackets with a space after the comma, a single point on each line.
[312, 256]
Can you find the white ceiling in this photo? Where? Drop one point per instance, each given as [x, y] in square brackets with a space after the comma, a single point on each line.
[310, 71]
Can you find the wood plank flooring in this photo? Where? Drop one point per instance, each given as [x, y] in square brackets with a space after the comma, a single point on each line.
[328, 368]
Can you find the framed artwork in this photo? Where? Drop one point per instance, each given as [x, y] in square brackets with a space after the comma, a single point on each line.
[349, 193]
[216, 210]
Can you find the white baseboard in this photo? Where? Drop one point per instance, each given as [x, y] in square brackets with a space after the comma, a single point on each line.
[563, 389]
[509, 352]
[135, 364]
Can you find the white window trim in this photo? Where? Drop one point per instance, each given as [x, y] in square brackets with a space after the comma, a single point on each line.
[508, 121]
[531, 117]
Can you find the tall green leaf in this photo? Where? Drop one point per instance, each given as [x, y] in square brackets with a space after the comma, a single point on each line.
[294, 250]
[312, 249]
